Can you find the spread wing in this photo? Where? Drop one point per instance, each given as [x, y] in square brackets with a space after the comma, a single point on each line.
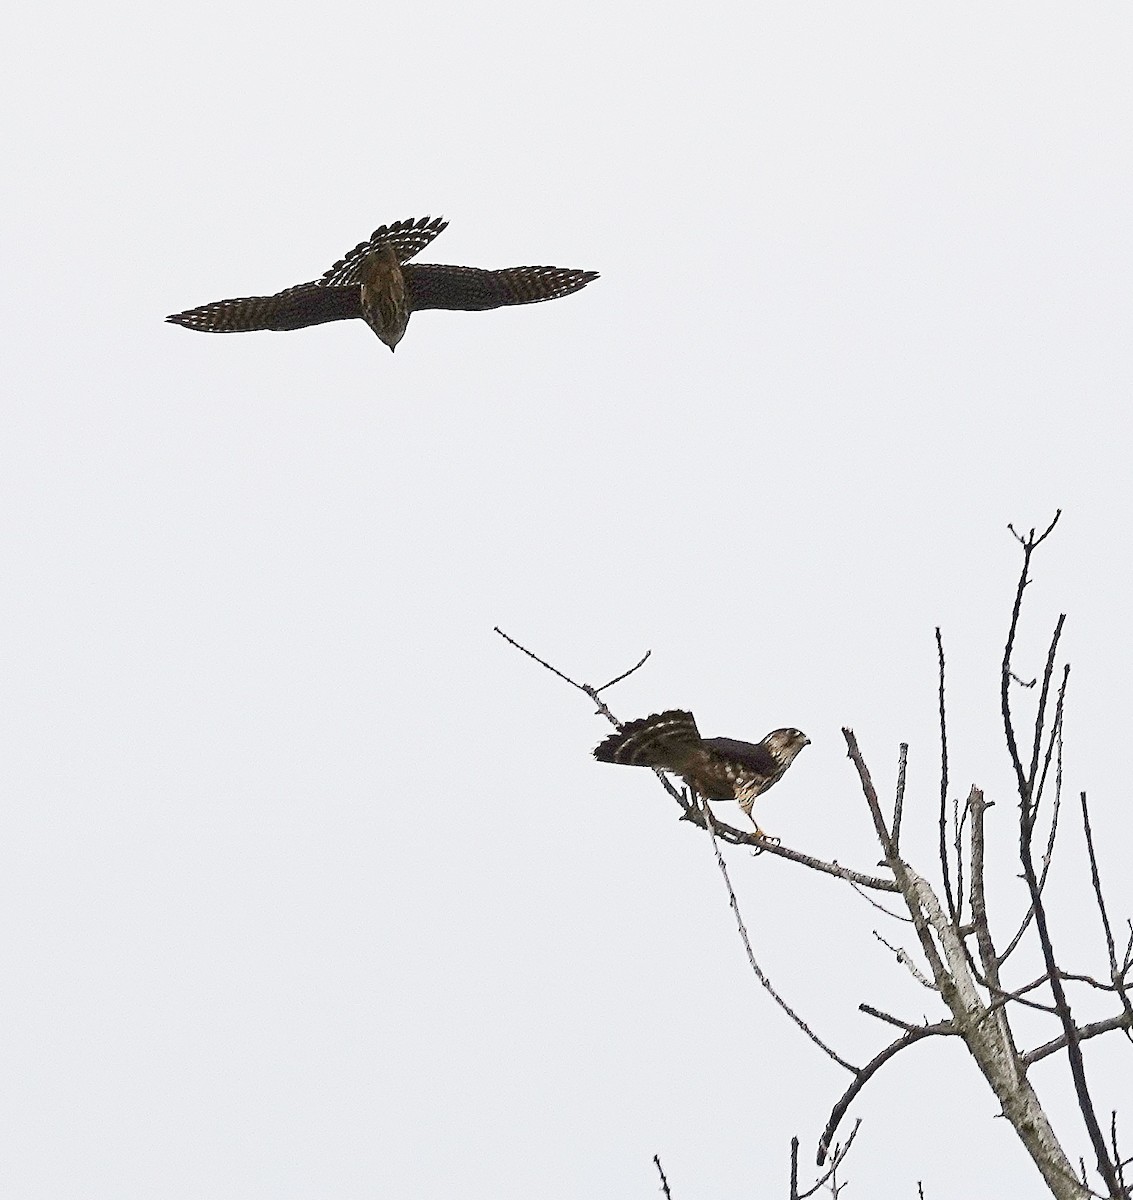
[295, 308]
[472, 289]
[406, 237]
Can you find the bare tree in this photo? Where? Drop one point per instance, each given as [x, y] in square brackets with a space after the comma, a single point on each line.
[956, 954]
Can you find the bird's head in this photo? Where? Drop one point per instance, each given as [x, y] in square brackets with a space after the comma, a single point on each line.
[784, 744]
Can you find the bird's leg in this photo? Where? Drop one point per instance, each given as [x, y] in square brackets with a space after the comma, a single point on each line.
[702, 806]
[747, 806]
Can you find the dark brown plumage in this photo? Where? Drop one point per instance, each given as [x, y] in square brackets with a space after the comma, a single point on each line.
[376, 282]
[716, 768]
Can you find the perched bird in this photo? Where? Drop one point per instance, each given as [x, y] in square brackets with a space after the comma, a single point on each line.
[715, 768]
[376, 282]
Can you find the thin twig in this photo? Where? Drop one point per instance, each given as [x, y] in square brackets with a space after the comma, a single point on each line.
[756, 969]
[880, 907]
[1000, 998]
[948, 897]
[664, 1181]
[1121, 1163]
[870, 793]
[585, 688]
[1056, 809]
[904, 958]
[1090, 981]
[1032, 797]
[542, 662]
[958, 847]
[1116, 976]
[1029, 544]
[624, 674]
[1054, 742]
[838, 1157]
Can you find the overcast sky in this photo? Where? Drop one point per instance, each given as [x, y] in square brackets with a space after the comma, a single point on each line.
[310, 887]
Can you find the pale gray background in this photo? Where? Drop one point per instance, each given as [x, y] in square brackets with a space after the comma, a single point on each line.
[309, 885]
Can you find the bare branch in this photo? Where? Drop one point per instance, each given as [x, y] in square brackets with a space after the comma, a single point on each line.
[542, 662]
[1006, 673]
[1055, 741]
[1033, 541]
[1001, 998]
[1090, 981]
[944, 869]
[1028, 797]
[1028, 807]
[870, 793]
[624, 674]
[905, 959]
[895, 864]
[1048, 853]
[907, 1026]
[1082, 1033]
[909, 1038]
[989, 1041]
[585, 688]
[958, 819]
[836, 1161]
[1024, 925]
[1106, 1167]
[1116, 976]
[880, 907]
[899, 802]
[1032, 797]
[746, 837]
[1121, 1164]
[664, 1182]
[756, 969]
[977, 805]
[1029, 544]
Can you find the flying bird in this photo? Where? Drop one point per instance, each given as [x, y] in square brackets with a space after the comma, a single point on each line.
[715, 768]
[377, 283]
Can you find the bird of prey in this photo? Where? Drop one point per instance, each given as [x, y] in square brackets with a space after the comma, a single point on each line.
[377, 282]
[715, 768]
